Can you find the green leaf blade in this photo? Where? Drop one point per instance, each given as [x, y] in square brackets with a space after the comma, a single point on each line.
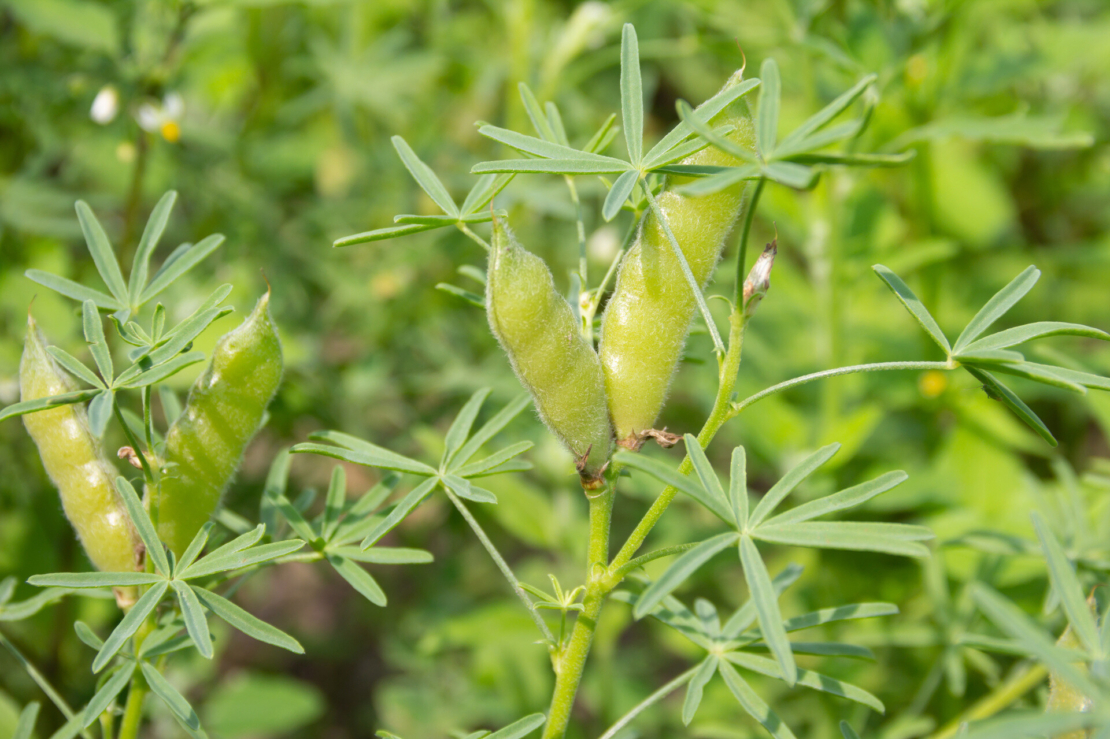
[767, 606]
[997, 306]
[101, 250]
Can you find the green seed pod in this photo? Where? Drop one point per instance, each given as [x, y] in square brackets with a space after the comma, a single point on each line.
[537, 329]
[76, 463]
[648, 316]
[224, 410]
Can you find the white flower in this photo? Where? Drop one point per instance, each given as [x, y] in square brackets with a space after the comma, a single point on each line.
[163, 118]
[105, 105]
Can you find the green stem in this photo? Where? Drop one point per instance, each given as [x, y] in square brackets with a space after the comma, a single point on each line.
[651, 700]
[133, 709]
[42, 682]
[501, 565]
[1020, 683]
[643, 559]
[879, 367]
[475, 237]
[570, 662]
[691, 282]
[742, 249]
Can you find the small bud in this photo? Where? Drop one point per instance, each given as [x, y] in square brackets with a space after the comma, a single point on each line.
[759, 279]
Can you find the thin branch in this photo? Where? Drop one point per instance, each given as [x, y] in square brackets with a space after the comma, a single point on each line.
[649, 557]
[879, 367]
[475, 237]
[42, 682]
[501, 564]
[648, 702]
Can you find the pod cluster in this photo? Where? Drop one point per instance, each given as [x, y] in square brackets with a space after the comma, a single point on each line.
[76, 463]
[224, 410]
[587, 397]
[644, 328]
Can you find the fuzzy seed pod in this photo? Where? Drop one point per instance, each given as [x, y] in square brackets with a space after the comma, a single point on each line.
[537, 329]
[76, 463]
[648, 316]
[224, 410]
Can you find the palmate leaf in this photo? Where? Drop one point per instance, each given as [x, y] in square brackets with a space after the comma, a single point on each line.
[414, 498]
[196, 623]
[490, 429]
[695, 121]
[74, 290]
[619, 193]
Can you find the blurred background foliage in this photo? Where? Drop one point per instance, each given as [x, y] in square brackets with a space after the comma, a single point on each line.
[272, 119]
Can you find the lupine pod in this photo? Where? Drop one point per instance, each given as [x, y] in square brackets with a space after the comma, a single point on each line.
[76, 463]
[225, 408]
[537, 329]
[648, 316]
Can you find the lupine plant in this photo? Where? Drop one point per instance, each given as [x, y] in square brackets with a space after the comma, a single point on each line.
[596, 365]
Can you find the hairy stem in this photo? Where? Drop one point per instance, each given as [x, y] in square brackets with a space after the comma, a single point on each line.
[742, 247]
[643, 559]
[133, 709]
[648, 702]
[473, 236]
[879, 367]
[501, 565]
[1018, 684]
[571, 661]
